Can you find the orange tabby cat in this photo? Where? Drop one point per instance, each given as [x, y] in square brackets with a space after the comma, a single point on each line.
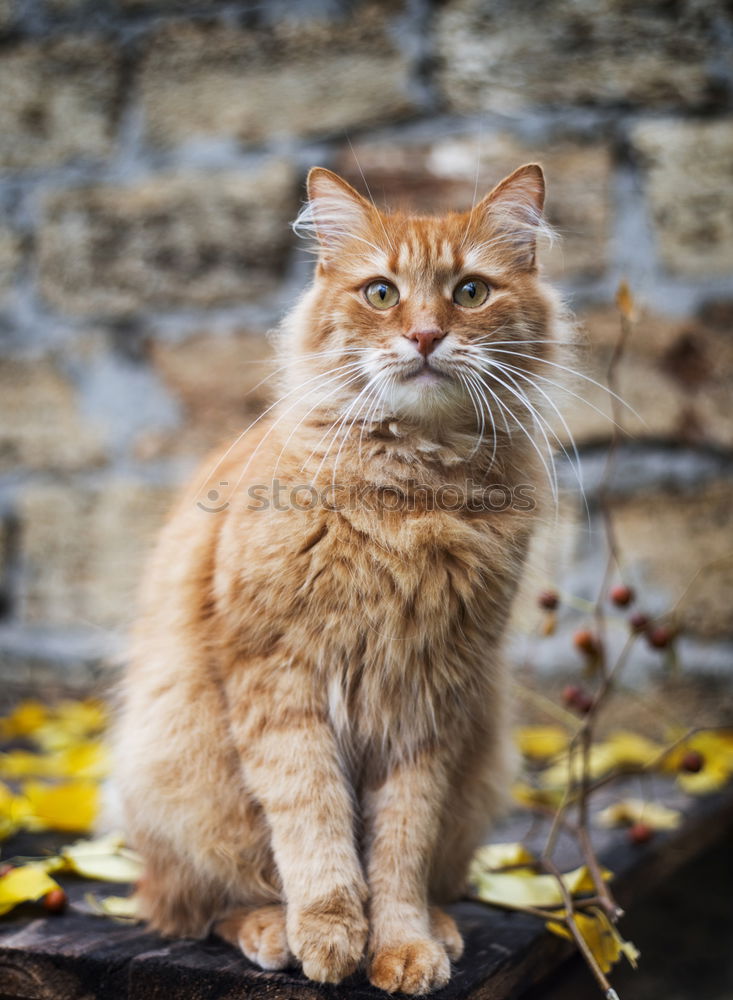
[314, 730]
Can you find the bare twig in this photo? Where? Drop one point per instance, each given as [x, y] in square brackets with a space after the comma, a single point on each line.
[572, 926]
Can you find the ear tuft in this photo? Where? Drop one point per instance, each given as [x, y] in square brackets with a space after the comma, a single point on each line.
[514, 208]
[526, 185]
[334, 212]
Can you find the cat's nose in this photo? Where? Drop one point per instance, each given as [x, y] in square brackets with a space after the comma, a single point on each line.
[426, 340]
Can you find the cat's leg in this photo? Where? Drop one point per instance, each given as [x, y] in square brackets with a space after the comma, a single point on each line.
[443, 927]
[291, 765]
[402, 816]
[478, 792]
[260, 933]
[172, 896]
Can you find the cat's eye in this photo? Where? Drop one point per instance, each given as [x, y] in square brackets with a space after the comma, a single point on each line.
[381, 294]
[471, 293]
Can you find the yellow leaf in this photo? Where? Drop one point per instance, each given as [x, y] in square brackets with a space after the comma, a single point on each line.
[24, 720]
[89, 759]
[105, 858]
[716, 749]
[69, 723]
[70, 806]
[86, 717]
[22, 884]
[715, 774]
[629, 811]
[601, 936]
[23, 764]
[632, 749]
[528, 796]
[601, 759]
[496, 857]
[120, 907]
[13, 812]
[625, 301]
[510, 889]
[622, 749]
[540, 742]
[8, 823]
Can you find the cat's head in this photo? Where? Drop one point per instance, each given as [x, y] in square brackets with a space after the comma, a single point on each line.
[424, 317]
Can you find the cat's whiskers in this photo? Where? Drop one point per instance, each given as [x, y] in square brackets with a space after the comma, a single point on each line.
[537, 418]
[322, 380]
[490, 411]
[333, 430]
[345, 434]
[504, 406]
[332, 424]
[480, 419]
[574, 462]
[257, 419]
[564, 388]
[375, 399]
[319, 402]
[482, 406]
[575, 374]
[468, 363]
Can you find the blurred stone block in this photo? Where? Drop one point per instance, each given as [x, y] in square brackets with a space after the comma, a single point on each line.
[177, 240]
[223, 383]
[676, 374]
[442, 176]
[689, 174]
[666, 537]
[10, 258]
[40, 423]
[8, 11]
[57, 101]
[294, 76]
[82, 550]
[510, 56]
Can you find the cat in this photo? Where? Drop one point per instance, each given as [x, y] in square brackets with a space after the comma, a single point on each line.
[314, 726]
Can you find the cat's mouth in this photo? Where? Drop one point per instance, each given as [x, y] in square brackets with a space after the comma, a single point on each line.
[423, 371]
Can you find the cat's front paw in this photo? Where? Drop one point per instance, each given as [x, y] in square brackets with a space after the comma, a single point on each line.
[328, 936]
[418, 966]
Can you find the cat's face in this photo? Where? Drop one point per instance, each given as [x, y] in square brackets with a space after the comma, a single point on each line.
[415, 305]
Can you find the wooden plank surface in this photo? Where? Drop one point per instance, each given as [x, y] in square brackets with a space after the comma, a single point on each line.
[78, 956]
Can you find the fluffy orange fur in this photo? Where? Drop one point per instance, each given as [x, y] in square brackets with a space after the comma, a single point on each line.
[314, 728]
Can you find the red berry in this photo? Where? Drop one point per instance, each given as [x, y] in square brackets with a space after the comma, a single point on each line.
[622, 595]
[549, 600]
[639, 622]
[576, 698]
[570, 693]
[583, 703]
[660, 636]
[640, 833]
[55, 901]
[693, 761]
[586, 642]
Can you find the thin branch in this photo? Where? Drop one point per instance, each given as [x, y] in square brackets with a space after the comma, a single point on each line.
[572, 926]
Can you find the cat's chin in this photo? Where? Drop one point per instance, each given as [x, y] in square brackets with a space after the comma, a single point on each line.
[426, 395]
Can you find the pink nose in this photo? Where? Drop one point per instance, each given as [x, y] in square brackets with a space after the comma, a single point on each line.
[425, 340]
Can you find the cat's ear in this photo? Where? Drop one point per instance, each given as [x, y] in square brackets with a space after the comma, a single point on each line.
[335, 213]
[514, 210]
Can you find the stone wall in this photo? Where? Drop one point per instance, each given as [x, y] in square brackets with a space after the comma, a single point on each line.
[152, 153]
